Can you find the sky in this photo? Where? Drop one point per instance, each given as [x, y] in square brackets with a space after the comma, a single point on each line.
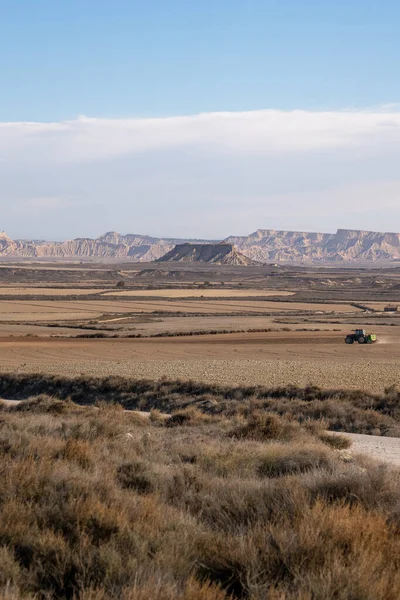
[201, 119]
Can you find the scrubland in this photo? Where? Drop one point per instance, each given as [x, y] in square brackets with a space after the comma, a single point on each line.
[352, 411]
[218, 493]
[138, 487]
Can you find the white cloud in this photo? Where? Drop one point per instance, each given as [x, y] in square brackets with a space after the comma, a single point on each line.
[221, 172]
[258, 131]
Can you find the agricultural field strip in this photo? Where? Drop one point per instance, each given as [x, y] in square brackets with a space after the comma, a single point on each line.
[50, 291]
[379, 305]
[88, 307]
[190, 293]
[368, 375]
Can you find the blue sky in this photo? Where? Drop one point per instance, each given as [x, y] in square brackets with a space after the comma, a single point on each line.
[60, 59]
[300, 125]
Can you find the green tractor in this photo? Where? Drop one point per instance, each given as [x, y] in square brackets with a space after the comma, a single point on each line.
[361, 336]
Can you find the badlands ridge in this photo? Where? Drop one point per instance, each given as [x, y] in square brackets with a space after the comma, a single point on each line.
[264, 245]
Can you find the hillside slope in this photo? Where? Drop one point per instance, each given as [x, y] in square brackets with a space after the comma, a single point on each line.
[220, 254]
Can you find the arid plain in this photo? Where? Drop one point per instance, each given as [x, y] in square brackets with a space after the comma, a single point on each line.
[178, 432]
[228, 325]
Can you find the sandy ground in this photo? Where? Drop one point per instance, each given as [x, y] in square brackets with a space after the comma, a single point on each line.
[269, 359]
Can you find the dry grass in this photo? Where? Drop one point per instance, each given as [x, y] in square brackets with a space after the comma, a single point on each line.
[233, 503]
[351, 411]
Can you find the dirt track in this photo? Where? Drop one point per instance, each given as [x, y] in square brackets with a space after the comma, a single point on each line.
[386, 449]
[238, 359]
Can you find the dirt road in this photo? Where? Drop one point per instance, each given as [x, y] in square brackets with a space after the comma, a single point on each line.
[386, 449]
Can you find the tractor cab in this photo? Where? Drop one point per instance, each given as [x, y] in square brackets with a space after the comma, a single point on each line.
[360, 336]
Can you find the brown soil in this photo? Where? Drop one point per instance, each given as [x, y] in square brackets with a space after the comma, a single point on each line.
[259, 358]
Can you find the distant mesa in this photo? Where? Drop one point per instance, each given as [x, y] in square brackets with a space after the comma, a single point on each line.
[217, 254]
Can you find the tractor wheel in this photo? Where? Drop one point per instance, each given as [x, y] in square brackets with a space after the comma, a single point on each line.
[349, 340]
[369, 341]
[361, 339]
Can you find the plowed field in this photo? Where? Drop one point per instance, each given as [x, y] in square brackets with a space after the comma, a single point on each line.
[240, 359]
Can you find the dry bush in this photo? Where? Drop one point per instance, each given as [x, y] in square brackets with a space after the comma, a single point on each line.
[46, 404]
[328, 552]
[233, 504]
[164, 590]
[78, 451]
[376, 487]
[187, 416]
[137, 419]
[285, 459]
[10, 570]
[157, 416]
[98, 503]
[135, 475]
[239, 459]
[262, 426]
[340, 442]
[344, 410]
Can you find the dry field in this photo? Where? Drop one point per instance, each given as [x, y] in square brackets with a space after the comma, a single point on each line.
[42, 310]
[225, 490]
[379, 306]
[270, 359]
[48, 291]
[203, 293]
[302, 342]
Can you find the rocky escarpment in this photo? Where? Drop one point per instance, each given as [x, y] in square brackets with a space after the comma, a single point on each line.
[111, 245]
[296, 246]
[264, 245]
[218, 254]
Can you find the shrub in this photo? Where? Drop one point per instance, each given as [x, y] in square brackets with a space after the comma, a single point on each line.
[266, 426]
[321, 554]
[135, 475]
[340, 442]
[285, 460]
[247, 503]
[78, 451]
[375, 487]
[10, 570]
[187, 416]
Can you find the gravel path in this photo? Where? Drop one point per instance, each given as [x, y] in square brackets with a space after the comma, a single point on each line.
[386, 449]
